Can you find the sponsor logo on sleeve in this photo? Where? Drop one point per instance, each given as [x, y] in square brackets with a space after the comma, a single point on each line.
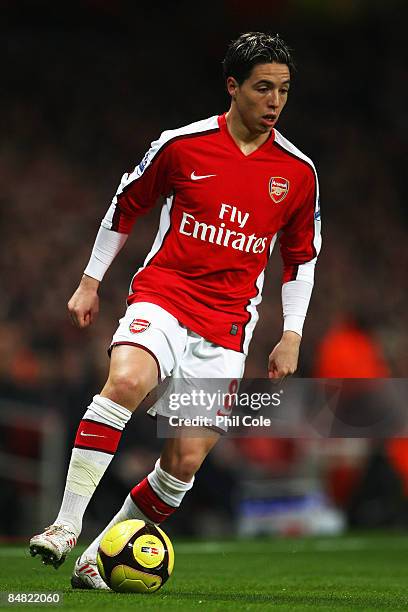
[317, 212]
[138, 325]
[140, 168]
[278, 188]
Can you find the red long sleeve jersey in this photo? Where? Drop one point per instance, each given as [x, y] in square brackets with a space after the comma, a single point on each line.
[219, 222]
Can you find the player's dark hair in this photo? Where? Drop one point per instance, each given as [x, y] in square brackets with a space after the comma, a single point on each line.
[254, 48]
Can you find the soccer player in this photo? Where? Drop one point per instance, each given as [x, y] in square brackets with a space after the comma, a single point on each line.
[231, 184]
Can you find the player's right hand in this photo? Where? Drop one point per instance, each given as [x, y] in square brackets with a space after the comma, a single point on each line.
[83, 306]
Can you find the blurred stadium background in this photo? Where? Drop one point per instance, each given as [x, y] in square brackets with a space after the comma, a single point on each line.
[85, 87]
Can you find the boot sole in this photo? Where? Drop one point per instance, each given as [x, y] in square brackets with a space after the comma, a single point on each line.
[48, 557]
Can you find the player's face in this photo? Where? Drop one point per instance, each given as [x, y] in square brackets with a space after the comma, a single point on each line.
[260, 99]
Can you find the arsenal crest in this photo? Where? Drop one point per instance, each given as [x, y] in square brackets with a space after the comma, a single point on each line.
[278, 188]
[138, 325]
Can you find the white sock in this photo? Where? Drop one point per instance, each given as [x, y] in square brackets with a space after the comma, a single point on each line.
[129, 510]
[169, 488]
[95, 445]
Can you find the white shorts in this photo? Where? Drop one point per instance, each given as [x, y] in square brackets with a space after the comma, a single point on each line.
[179, 353]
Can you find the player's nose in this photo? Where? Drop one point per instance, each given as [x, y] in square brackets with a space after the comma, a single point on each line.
[273, 99]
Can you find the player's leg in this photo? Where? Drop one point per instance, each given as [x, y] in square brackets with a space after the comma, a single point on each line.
[146, 345]
[133, 374]
[162, 491]
[154, 499]
[158, 495]
[202, 363]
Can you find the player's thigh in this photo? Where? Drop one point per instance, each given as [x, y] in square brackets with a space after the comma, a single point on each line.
[132, 375]
[151, 328]
[182, 456]
[144, 350]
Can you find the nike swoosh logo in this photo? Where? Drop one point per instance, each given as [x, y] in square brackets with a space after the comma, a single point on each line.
[91, 435]
[197, 177]
[158, 511]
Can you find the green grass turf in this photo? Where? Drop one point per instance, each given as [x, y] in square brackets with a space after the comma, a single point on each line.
[356, 572]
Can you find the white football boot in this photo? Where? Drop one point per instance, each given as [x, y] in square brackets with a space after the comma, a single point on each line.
[53, 545]
[86, 575]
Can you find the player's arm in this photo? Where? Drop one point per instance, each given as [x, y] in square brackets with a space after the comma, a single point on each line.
[300, 244]
[136, 194]
[83, 306]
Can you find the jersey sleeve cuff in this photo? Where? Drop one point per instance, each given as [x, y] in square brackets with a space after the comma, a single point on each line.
[295, 301]
[293, 323]
[95, 269]
[107, 245]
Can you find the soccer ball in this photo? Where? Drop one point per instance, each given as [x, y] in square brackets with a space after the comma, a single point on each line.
[135, 557]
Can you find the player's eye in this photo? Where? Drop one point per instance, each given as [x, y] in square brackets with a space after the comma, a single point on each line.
[262, 89]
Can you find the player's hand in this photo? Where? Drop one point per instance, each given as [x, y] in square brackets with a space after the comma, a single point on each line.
[84, 304]
[284, 358]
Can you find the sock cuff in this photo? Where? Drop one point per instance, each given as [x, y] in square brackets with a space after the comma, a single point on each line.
[106, 411]
[169, 488]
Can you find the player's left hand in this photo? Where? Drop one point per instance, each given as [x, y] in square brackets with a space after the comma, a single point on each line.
[284, 358]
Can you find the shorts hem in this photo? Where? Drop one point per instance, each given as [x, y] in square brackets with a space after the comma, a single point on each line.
[124, 342]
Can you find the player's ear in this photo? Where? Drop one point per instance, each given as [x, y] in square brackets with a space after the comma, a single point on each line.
[232, 86]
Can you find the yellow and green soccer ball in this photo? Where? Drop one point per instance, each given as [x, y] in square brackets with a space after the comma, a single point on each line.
[135, 557]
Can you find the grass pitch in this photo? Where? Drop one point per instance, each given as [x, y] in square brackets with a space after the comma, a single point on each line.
[359, 572]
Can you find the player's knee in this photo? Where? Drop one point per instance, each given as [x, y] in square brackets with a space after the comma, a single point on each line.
[125, 382]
